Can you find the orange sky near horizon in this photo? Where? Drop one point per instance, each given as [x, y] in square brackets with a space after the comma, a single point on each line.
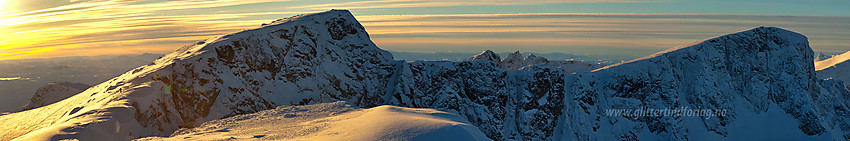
[114, 27]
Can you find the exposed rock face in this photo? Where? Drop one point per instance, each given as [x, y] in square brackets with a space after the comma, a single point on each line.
[505, 104]
[513, 61]
[54, 92]
[750, 73]
[311, 58]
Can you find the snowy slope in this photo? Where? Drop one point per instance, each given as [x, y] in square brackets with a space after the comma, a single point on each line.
[836, 67]
[305, 59]
[335, 121]
[54, 92]
[764, 77]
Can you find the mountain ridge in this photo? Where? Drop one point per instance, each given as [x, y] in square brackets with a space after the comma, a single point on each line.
[328, 56]
[748, 72]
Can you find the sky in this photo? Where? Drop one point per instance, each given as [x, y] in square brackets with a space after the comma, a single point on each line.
[58, 28]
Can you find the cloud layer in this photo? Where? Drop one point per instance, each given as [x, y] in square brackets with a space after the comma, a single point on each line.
[602, 34]
[120, 26]
[98, 27]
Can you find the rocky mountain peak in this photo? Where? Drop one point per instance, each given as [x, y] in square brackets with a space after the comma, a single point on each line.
[486, 55]
[532, 59]
[513, 61]
[765, 73]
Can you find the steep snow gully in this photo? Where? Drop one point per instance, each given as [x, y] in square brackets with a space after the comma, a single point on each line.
[763, 79]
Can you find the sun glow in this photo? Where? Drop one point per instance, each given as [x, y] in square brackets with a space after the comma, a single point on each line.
[4, 7]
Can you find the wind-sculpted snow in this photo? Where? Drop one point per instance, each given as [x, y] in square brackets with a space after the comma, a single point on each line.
[749, 73]
[335, 121]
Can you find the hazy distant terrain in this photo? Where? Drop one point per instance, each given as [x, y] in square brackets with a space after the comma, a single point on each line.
[457, 56]
[19, 79]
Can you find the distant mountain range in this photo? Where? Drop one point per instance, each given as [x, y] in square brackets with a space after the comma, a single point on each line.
[456, 56]
[54, 92]
[835, 67]
[763, 79]
[33, 74]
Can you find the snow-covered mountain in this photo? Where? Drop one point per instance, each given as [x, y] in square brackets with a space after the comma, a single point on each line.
[762, 76]
[54, 92]
[335, 121]
[485, 55]
[836, 67]
[463, 56]
[516, 61]
[311, 58]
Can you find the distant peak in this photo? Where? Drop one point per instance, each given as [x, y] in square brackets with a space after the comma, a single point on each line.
[513, 57]
[486, 55]
[532, 59]
[487, 52]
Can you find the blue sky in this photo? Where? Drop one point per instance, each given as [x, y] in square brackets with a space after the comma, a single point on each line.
[56, 28]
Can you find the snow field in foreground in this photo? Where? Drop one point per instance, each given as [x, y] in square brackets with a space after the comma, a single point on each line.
[335, 121]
